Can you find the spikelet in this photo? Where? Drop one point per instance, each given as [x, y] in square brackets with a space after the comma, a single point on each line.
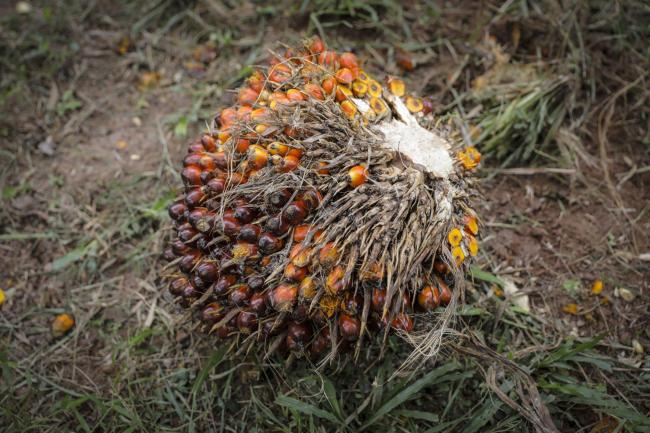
[322, 212]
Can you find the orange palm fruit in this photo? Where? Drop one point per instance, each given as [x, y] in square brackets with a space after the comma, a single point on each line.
[315, 91]
[62, 324]
[349, 109]
[344, 76]
[357, 175]
[329, 85]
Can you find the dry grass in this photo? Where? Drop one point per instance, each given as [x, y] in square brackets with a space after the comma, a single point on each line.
[82, 228]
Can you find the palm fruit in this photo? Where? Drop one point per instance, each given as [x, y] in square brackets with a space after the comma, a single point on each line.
[322, 210]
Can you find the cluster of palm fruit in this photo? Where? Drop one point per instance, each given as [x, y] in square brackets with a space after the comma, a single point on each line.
[299, 229]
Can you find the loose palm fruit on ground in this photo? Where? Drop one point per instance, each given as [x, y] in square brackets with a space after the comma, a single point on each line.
[324, 206]
[62, 324]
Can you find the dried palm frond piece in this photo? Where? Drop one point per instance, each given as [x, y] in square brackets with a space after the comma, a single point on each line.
[322, 211]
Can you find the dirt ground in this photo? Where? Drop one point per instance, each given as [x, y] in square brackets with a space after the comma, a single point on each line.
[91, 146]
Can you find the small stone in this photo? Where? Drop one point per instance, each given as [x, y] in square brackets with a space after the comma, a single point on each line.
[135, 157]
[47, 146]
[136, 121]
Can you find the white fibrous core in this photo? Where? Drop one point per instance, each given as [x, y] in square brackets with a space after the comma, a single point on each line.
[404, 135]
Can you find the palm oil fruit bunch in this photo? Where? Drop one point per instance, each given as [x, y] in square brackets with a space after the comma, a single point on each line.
[323, 210]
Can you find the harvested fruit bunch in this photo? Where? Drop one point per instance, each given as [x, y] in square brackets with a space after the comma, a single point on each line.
[323, 209]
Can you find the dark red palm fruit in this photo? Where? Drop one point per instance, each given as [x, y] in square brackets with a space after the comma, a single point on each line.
[205, 223]
[298, 335]
[179, 247]
[312, 198]
[187, 234]
[192, 159]
[169, 255]
[216, 185]
[177, 210]
[269, 243]
[320, 344]
[190, 291]
[284, 297]
[209, 143]
[194, 197]
[224, 331]
[402, 322]
[295, 212]
[207, 163]
[250, 233]
[195, 148]
[427, 105]
[221, 160]
[212, 313]
[223, 284]
[300, 313]
[256, 282]
[429, 298]
[246, 322]
[199, 283]
[272, 327]
[378, 299]
[240, 294]
[244, 214]
[257, 303]
[349, 327]
[277, 225]
[206, 176]
[445, 293]
[195, 215]
[318, 317]
[191, 176]
[177, 285]
[294, 273]
[352, 303]
[279, 198]
[207, 271]
[189, 260]
[440, 267]
[231, 227]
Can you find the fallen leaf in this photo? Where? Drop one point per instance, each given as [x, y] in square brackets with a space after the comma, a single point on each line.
[570, 309]
[597, 287]
[121, 144]
[62, 324]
